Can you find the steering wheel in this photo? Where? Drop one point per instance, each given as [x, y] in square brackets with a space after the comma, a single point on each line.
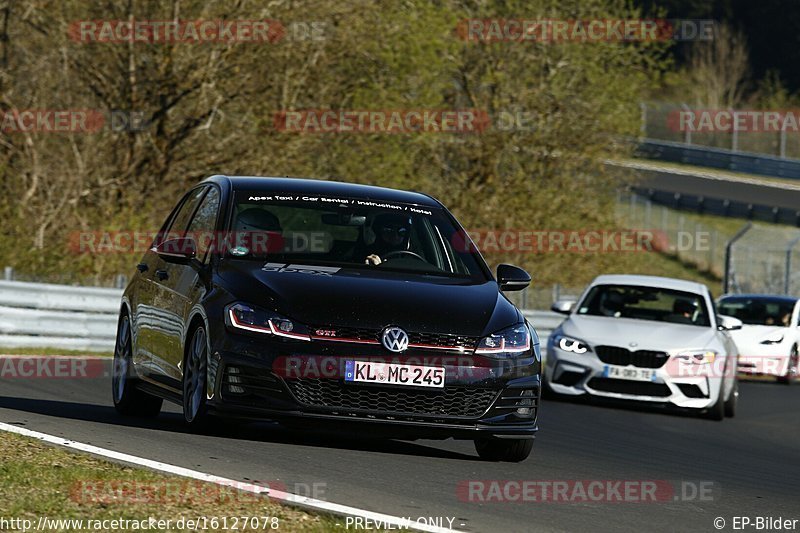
[403, 252]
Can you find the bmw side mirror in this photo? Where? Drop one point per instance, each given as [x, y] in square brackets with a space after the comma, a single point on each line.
[511, 278]
[181, 250]
[729, 323]
[564, 307]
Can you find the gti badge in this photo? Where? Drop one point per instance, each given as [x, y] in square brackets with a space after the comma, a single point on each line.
[394, 339]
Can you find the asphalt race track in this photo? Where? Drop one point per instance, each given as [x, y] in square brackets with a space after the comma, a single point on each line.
[752, 460]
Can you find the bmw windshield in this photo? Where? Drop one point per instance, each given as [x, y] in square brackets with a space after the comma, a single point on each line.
[350, 233]
[645, 303]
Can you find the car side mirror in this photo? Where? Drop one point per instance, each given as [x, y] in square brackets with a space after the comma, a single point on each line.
[564, 307]
[728, 323]
[511, 278]
[180, 251]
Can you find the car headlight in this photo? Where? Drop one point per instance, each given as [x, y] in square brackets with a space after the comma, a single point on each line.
[249, 318]
[774, 338]
[570, 344]
[508, 342]
[697, 357]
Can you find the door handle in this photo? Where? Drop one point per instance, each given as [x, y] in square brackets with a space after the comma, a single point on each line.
[162, 274]
[142, 267]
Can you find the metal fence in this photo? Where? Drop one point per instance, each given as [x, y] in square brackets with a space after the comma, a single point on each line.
[688, 239]
[38, 315]
[660, 122]
[766, 259]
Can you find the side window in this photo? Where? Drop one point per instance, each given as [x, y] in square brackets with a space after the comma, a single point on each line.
[204, 223]
[180, 222]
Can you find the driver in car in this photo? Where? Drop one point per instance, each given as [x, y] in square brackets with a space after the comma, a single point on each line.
[391, 232]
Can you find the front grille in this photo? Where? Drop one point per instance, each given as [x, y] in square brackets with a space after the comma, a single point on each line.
[366, 334]
[616, 355]
[450, 401]
[634, 388]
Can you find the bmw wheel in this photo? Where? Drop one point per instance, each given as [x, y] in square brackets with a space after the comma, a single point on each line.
[129, 400]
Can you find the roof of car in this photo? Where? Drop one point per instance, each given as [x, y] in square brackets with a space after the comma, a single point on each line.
[782, 297]
[650, 281]
[324, 187]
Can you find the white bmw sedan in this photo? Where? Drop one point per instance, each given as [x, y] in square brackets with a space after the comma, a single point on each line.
[647, 339]
[769, 338]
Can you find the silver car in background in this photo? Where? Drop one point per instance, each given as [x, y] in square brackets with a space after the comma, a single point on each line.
[647, 339]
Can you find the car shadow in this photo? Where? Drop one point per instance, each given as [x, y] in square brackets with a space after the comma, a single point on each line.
[267, 432]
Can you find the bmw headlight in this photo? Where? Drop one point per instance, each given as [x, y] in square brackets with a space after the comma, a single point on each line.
[697, 357]
[774, 338]
[571, 344]
[249, 318]
[509, 342]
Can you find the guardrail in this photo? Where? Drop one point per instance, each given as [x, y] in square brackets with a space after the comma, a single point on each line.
[722, 158]
[40, 315]
[544, 322]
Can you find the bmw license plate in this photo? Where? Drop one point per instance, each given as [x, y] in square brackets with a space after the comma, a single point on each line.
[630, 373]
[394, 374]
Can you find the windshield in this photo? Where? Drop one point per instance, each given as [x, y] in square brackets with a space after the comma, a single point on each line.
[645, 303]
[349, 233]
[758, 311]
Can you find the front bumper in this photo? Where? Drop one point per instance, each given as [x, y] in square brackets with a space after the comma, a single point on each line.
[255, 379]
[756, 359]
[585, 374]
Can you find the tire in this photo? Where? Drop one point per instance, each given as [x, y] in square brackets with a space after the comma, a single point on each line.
[733, 400]
[128, 399]
[717, 411]
[507, 450]
[791, 370]
[194, 378]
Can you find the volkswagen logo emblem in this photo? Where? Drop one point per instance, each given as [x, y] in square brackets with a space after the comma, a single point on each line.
[394, 339]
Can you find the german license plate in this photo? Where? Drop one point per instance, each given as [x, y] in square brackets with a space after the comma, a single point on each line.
[394, 374]
[629, 373]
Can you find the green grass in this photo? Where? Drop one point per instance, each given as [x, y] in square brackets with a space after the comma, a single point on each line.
[39, 480]
[52, 352]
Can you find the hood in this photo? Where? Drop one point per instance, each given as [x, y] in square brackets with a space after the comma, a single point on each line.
[319, 296]
[648, 335]
[756, 333]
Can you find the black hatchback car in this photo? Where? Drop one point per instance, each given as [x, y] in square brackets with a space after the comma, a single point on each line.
[313, 303]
